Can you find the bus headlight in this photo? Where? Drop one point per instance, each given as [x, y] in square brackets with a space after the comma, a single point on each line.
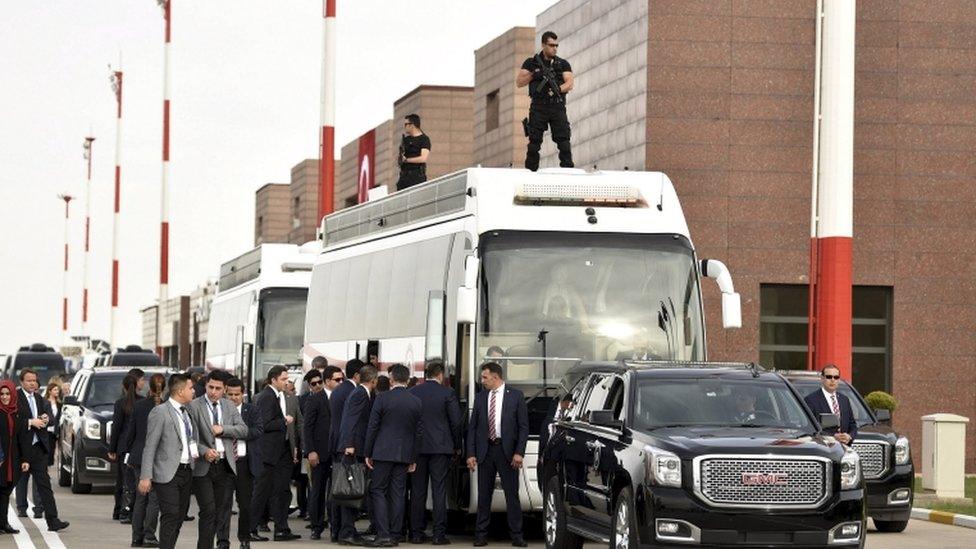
[92, 428]
[903, 452]
[850, 471]
[662, 467]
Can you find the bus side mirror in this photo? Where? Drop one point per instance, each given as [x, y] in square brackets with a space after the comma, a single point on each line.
[467, 295]
[731, 302]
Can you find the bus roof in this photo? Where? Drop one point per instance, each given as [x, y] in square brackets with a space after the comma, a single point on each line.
[268, 265]
[555, 199]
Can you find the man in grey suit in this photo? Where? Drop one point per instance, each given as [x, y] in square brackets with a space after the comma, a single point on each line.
[217, 423]
[171, 448]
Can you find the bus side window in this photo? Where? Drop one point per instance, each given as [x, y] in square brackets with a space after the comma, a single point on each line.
[434, 335]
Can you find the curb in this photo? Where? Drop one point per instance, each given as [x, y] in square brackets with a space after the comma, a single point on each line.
[944, 517]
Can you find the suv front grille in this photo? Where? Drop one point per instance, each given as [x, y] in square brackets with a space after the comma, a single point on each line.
[874, 458]
[756, 481]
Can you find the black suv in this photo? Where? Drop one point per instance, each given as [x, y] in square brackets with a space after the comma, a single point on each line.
[44, 360]
[86, 425]
[886, 458]
[661, 454]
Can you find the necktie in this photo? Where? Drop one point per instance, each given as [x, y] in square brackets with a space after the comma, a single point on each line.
[492, 435]
[33, 407]
[214, 413]
[186, 425]
[833, 404]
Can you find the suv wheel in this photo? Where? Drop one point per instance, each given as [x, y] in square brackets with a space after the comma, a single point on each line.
[624, 531]
[892, 526]
[76, 486]
[554, 519]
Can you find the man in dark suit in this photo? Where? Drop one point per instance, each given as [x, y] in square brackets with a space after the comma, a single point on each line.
[828, 400]
[337, 403]
[145, 508]
[392, 439]
[272, 478]
[167, 459]
[352, 440]
[248, 459]
[315, 437]
[440, 442]
[36, 412]
[497, 434]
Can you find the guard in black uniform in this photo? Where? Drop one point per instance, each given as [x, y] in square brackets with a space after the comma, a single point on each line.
[549, 79]
[414, 149]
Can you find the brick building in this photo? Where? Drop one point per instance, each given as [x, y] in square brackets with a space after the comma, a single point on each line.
[272, 213]
[725, 108]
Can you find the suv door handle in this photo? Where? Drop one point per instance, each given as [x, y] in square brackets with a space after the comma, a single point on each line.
[570, 438]
[594, 444]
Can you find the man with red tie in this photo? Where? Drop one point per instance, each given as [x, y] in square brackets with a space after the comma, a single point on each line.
[827, 400]
[497, 434]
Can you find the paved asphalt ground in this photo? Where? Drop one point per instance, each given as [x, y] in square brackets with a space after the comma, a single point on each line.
[92, 528]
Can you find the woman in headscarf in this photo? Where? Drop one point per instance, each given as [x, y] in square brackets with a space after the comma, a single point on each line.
[15, 442]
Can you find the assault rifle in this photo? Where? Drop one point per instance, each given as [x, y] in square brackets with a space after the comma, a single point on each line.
[549, 80]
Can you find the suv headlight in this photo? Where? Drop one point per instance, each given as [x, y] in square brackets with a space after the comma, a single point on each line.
[662, 467]
[92, 428]
[903, 452]
[850, 471]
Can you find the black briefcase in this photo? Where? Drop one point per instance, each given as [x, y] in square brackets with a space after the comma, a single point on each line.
[348, 480]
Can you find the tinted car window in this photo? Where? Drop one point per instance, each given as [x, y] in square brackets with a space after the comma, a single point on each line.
[607, 394]
[721, 402]
[135, 359]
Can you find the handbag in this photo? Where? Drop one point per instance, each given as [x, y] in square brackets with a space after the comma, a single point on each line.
[348, 480]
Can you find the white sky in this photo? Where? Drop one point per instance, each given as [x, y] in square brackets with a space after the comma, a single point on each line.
[245, 108]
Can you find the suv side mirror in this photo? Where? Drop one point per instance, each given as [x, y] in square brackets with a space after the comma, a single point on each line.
[829, 421]
[883, 415]
[71, 400]
[605, 418]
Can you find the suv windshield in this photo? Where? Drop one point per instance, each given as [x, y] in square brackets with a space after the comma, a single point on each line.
[551, 299]
[717, 401]
[46, 365]
[103, 390]
[805, 386]
[281, 328]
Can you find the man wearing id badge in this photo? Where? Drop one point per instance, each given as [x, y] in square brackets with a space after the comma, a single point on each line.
[168, 457]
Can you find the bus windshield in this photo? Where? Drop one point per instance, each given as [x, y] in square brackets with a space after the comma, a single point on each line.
[281, 328]
[549, 300]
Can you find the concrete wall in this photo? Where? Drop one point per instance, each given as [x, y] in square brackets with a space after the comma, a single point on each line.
[347, 178]
[606, 44]
[272, 216]
[447, 117]
[495, 66]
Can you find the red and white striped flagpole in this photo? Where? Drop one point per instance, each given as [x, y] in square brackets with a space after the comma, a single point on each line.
[64, 283]
[117, 88]
[835, 190]
[167, 6]
[327, 113]
[84, 269]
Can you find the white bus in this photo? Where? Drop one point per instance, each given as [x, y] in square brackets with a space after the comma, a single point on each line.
[257, 318]
[546, 269]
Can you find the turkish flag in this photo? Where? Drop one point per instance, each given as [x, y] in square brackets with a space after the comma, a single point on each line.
[367, 165]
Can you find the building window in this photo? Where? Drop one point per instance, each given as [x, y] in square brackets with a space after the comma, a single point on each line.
[259, 229]
[491, 111]
[783, 332]
[351, 201]
[296, 216]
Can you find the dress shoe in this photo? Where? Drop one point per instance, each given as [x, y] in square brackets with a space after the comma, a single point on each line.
[125, 520]
[441, 541]
[256, 537]
[355, 540]
[115, 515]
[59, 525]
[38, 514]
[135, 543]
[480, 542]
[23, 514]
[316, 534]
[285, 536]
[150, 543]
[245, 545]
[419, 539]
[519, 542]
[8, 529]
[382, 542]
[263, 528]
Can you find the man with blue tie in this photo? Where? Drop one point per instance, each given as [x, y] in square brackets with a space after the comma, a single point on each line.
[337, 404]
[498, 432]
[392, 439]
[441, 418]
[828, 401]
[34, 411]
[352, 440]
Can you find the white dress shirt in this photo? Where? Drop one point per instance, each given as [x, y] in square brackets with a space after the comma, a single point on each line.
[241, 443]
[499, 399]
[280, 395]
[185, 451]
[219, 420]
[32, 404]
[830, 400]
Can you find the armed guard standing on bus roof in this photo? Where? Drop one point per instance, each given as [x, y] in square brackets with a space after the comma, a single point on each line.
[414, 150]
[549, 79]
